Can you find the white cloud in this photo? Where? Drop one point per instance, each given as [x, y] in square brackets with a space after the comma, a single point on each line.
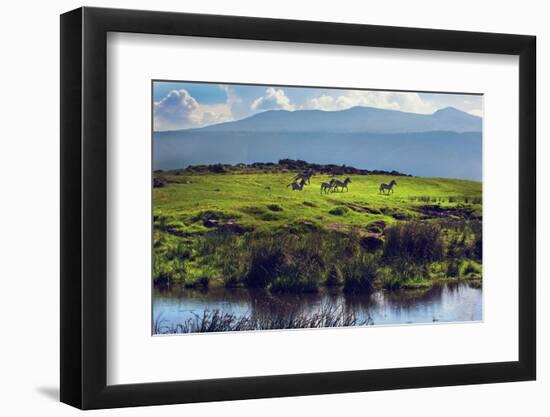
[273, 99]
[409, 102]
[215, 113]
[179, 110]
[476, 112]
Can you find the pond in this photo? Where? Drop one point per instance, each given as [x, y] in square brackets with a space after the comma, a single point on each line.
[447, 302]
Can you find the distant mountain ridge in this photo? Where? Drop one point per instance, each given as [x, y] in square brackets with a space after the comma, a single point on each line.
[353, 120]
[447, 143]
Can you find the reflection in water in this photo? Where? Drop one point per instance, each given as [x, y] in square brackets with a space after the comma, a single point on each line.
[441, 303]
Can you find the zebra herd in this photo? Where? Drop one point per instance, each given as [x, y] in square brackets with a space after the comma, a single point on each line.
[302, 179]
[334, 184]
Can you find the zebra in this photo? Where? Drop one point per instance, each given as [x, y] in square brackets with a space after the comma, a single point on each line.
[304, 176]
[343, 184]
[297, 186]
[327, 186]
[388, 187]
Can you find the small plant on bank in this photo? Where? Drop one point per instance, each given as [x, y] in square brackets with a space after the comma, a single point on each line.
[359, 272]
[339, 211]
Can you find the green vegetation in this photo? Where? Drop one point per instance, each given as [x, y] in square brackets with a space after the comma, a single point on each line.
[246, 227]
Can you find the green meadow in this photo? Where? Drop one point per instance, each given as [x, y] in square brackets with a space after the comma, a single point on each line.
[247, 228]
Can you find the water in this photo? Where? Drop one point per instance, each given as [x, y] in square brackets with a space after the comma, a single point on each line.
[441, 303]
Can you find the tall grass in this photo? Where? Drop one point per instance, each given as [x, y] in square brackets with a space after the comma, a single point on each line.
[217, 321]
[359, 273]
[414, 242]
[304, 259]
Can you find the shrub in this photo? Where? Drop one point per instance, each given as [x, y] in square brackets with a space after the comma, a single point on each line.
[359, 274]
[274, 207]
[217, 168]
[335, 276]
[416, 242]
[403, 273]
[372, 243]
[471, 270]
[166, 272]
[159, 182]
[453, 268]
[266, 258]
[269, 217]
[338, 211]
[294, 278]
[389, 279]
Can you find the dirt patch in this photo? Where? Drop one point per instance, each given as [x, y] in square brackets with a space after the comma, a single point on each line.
[360, 208]
[229, 226]
[396, 214]
[435, 211]
[376, 227]
[215, 215]
[338, 227]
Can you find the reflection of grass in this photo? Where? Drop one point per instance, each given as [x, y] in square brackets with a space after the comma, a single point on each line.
[474, 283]
[217, 321]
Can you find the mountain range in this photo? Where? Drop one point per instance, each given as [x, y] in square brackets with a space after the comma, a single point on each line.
[353, 120]
[447, 143]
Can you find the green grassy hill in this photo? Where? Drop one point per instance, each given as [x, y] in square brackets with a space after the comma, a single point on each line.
[264, 201]
[201, 220]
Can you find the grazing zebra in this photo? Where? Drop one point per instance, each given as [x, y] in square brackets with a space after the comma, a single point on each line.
[388, 187]
[306, 176]
[343, 184]
[327, 186]
[297, 186]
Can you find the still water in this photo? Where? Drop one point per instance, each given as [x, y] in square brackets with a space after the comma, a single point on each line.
[441, 303]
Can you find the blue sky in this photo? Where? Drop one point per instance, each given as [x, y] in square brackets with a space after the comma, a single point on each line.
[184, 105]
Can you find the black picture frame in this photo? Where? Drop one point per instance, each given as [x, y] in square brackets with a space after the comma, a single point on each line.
[84, 207]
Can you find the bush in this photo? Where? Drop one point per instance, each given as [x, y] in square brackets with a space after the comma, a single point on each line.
[335, 277]
[453, 268]
[274, 207]
[359, 274]
[266, 259]
[402, 274]
[389, 279]
[413, 241]
[294, 278]
[338, 211]
[217, 168]
[471, 270]
[166, 272]
[291, 262]
[159, 182]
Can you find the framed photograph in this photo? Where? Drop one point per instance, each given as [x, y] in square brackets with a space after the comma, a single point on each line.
[257, 208]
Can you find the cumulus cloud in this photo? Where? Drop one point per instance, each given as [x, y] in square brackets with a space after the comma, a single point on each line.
[409, 102]
[215, 114]
[272, 99]
[179, 110]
